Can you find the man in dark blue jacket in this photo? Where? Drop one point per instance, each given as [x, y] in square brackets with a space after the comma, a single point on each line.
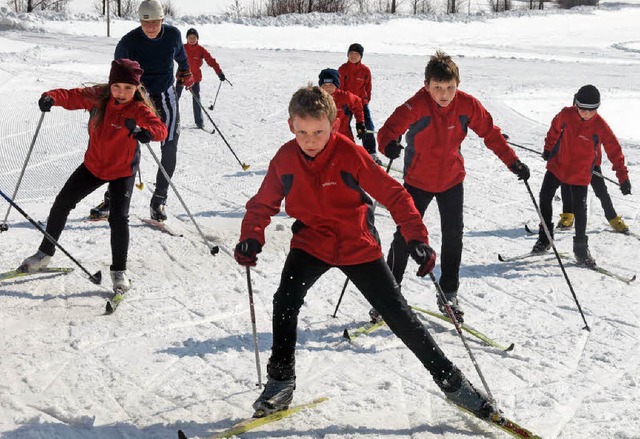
[156, 46]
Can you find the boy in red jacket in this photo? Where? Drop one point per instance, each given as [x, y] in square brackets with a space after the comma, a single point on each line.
[112, 157]
[355, 77]
[437, 119]
[348, 105]
[325, 178]
[196, 54]
[572, 149]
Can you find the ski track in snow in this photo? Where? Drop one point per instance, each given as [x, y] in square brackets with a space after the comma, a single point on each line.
[178, 353]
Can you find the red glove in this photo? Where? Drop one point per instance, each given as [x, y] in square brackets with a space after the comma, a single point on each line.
[185, 78]
[246, 252]
[424, 255]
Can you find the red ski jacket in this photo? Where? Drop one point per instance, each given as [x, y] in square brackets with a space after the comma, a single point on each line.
[112, 153]
[328, 198]
[347, 104]
[433, 160]
[195, 54]
[356, 78]
[575, 147]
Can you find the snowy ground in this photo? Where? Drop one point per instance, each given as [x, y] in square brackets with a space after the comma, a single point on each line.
[179, 352]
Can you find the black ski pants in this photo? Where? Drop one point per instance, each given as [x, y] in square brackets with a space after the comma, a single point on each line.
[599, 189]
[451, 225]
[377, 285]
[578, 197]
[80, 184]
[195, 94]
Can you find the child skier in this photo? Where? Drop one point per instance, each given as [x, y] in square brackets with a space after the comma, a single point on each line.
[437, 119]
[348, 105]
[571, 149]
[112, 157]
[324, 178]
[355, 77]
[196, 54]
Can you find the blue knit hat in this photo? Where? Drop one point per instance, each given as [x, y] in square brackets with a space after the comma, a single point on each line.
[327, 76]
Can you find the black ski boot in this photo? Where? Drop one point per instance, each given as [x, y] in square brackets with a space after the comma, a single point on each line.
[276, 396]
[461, 392]
[581, 251]
[375, 316]
[542, 244]
[101, 211]
[452, 301]
[157, 212]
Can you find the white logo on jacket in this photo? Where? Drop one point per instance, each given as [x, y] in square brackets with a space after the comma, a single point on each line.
[329, 183]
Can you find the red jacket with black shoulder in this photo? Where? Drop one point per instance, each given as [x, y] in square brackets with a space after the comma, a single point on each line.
[433, 158]
[347, 104]
[112, 152]
[328, 198]
[575, 144]
[356, 78]
[196, 54]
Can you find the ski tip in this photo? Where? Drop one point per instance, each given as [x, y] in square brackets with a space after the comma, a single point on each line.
[510, 347]
[181, 435]
[346, 335]
[109, 309]
[632, 279]
[501, 258]
[96, 278]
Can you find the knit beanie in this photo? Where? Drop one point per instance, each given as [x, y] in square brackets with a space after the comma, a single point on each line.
[355, 47]
[327, 76]
[125, 71]
[192, 31]
[150, 10]
[587, 98]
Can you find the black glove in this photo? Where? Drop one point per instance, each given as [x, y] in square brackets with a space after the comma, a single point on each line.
[521, 170]
[142, 136]
[360, 129]
[45, 103]
[393, 150]
[625, 187]
[546, 155]
[221, 76]
[246, 252]
[424, 255]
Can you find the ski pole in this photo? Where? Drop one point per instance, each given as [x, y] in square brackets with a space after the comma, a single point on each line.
[131, 126]
[346, 282]
[4, 227]
[596, 173]
[455, 322]
[253, 325]
[212, 106]
[344, 288]
[555, 251]
[95, 278]
[244, 165]
[141, 184]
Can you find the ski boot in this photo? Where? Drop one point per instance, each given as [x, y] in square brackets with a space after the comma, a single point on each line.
[581, 252]
[619, 225]
[101, 211]
[120, 281]
[461, 392]
[276, 396]
[375, 316]
[542, 244]
[566, 221]
[157, 212]
[35, 262]
[452, 301]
